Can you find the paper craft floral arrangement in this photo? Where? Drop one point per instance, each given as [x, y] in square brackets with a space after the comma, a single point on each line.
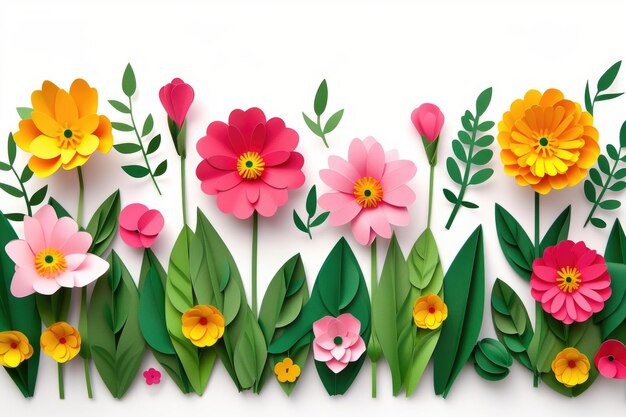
[192, 311]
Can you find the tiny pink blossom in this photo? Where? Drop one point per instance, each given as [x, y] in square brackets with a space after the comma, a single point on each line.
[140, 226]
[337, 341]
[611, 359]
[428, 121]
[152, 376]
[176, 98]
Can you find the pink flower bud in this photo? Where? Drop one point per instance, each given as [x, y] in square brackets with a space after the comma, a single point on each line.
[428, 121]
[176, 98]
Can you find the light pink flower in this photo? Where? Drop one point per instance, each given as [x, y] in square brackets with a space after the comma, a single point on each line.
[370, 190]
[337, 341]
[152, 376]
[611, 359]
[52, 255]
[139, 226]
[428, 121]
[176, 98]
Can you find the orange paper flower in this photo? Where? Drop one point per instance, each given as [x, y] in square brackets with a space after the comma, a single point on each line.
[429, 312]
[14, 348]
[547, 142]
[203, 325]
[571, 367]
[287, 371]
[61, 341]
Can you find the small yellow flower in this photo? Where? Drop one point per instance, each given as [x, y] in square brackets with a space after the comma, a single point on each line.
[287, 371]
[203, 325]
[571, 367]
[14, 348]
[429, 312]
[61, 341]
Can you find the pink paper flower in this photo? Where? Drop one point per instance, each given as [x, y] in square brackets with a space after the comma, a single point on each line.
[176, 98]
[370, 190]
[611, 359]
[249, 163]
[52, 255]
[571, 281]
[428, 121]
[337, 341]
[139, 226]
[152, 376]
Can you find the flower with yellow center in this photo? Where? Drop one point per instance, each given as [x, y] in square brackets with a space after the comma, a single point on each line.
[14, 348]
[50, 263]
[61, 341]
[64, 129]
[571, 367]
[429, 312]
[287, 371]
[569, 279]
[250, 165]
[203, 325]
[368, 192]
[547, 142]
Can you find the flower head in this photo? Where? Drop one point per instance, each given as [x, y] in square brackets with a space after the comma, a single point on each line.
[337, 341]
[176, 98]
[286, 370]
[152, 376]
[571, 367]
[52, 255]
[139, 226]
[611, 359]
[249, 163]
[547, 142]
[203, 325]
[428, 121]
[570, 281]
[370, 190]
[429, 312]
[64, 128]
[14, 348]
[61, 341]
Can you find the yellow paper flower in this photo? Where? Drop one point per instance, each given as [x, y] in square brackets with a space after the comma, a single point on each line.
[429, 312]
[14, 348]
[203, 325]
[571, 367]
[64, 129]
[61, 341]
[547, 142]
[287, 371]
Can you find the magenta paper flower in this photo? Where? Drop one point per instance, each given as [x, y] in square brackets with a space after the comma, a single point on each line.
[152, 376]
[249, 163]
[370, 190]
[337, 341]
[140, 226]
[52, 255]
[571, 281]
[611, 359]
[176, 98]
[428, 121]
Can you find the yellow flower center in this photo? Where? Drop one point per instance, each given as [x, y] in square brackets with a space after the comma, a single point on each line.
[569, 279]
[69, 138]
[250, 165]
[368, 192]
[50, 263]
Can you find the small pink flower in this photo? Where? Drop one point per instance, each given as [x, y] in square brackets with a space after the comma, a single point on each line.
[428, 121]
[176, 98]
[52, 255]
[337, 341]
[152, 376]
[139, 226]
[570, 281]
[611, 359]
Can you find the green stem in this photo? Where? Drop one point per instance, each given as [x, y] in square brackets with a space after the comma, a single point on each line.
[29, 209]
[81, 196]
[323, 136]
[537, 254]
[605, 186]
[538, 308]
[255, 238]
[143, 151]
[430, 194]
[374, 285]
[308, 227]
[183, 188]
[61, 386]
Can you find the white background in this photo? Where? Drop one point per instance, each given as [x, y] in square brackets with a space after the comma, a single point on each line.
[381, 59]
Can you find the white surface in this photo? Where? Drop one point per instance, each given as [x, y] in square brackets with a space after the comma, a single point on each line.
[381, 59]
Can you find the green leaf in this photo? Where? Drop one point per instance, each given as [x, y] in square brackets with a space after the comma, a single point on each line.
[333, 121]
[590, 191]
[321, 98]
[558, 231]
[612, 152]
[453, 170]
[299, 223]
[425, 271]
[122, 127]
[482, 157]
[482, 102]
[11, 190]
[450, 196]
[603, 164]
[311, 202]
[136, 171]
[616, 244]
[312, 125]
[129, 83]
[160, 169]
[595, 176]
[618, 186]
[622, 135]
[491, 359]
[27, 174]
[320, 219]
[11, 149]
[469, 204]
[15, 217]
[148, 124]
[610, 204]
[250, 353]
[39, 195]
[464, 137]
[464, 289]
[152, 308]
[619, 174]
[481, 176]
[516, 246]
[599, 223]
[24, 112]
[459, 150]
[614, 312]
[127, 148]
[588, 102]
[4, 166]
[154, 144]
[485, 126]
[103, 224]
[484, 141]
[606, 97]
[605, 81]
[119, 106]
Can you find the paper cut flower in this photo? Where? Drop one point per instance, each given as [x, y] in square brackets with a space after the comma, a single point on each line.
[370, 190]
[249, 163]
[14, 348]
[287, 371]
[203, 325]
[176, 98]
[611, 359]
[429, 312]
[547, 142]
[52, 255]
[64, 128]
[570, 281]
[428, 121]
[61, 341]
[571, 367]
[139, 226]
[337, 341]
[152, 376]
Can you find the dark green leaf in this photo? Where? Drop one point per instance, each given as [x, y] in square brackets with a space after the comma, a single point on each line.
[122, 127]
[154, 144]
[481, 176]
[484, 141]
[595, 176]
[516, 246]
[590, 191]
[469, 204]
[129, 83]
[599, 223]
[321, 98]
[250, 353]
[453, 170]
[482, 157]
[312, 125]
[485, 126]
[605, 81]
[15, 217]
[610, 204]
[311, 202]
[119, 106]
[622, 135]
[333, 121]
[27, 174]
[136, 171]
[619, 174]
[160, 169]
[459, 151]
[39, 195]
[103, 224]
[299, 223]
[148, 124]
[614, 312]
[4, 166]
[482, 102]
[464, 137]
[450, 196]
[24, 112]
[558, 231]
[127, 148]
[618, 186]
[11, 190]
[466, 121]
[612, 152]
[588, 102]
[603, 164]
[616, 244]
[320, 219]
[11, 149]
[605, 97]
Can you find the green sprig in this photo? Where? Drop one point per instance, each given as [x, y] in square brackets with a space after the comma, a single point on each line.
[319, 106]
[311, 209]
[604, 83]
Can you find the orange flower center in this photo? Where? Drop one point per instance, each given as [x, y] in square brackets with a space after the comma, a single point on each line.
[368, 192]
[50, 263]
[569, 279]
[250, 165]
